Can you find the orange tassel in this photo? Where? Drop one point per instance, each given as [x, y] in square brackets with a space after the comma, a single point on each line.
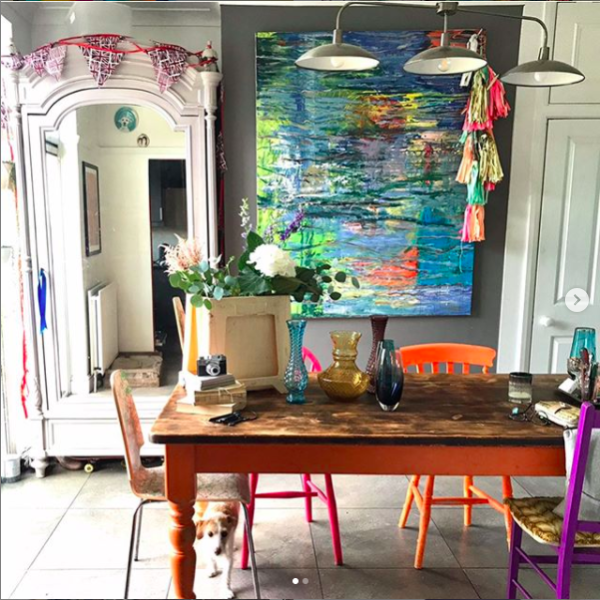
[466, 166]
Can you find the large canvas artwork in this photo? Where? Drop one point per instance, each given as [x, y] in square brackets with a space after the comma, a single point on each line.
[371, 159]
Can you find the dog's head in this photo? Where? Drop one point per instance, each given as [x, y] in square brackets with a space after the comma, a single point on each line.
[214, 533]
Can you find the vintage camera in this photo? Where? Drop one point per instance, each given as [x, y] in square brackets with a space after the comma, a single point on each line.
[212, 366]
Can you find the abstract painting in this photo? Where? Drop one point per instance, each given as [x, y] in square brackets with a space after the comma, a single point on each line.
[370, 158]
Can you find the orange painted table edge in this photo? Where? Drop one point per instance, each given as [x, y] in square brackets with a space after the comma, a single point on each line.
[184, 461]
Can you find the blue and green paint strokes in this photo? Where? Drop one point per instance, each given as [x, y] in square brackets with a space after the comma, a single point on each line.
[371, 158]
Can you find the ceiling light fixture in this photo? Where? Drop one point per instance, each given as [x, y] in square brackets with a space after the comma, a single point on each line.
[444, 59]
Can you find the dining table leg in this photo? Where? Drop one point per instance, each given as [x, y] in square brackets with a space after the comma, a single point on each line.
[181, 495]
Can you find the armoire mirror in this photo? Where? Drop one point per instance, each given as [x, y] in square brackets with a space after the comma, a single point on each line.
[116, 185]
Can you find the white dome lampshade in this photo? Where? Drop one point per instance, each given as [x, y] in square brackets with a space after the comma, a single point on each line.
[338, 57]
[543, 72]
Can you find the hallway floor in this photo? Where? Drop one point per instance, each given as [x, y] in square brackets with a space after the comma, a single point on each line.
[67, 537]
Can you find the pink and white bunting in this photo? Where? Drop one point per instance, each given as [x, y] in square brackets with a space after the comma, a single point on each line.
[56, 61]
[169, 63]
[37, 60]
[102, 58]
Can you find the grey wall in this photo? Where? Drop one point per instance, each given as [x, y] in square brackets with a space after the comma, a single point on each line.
[240, 25]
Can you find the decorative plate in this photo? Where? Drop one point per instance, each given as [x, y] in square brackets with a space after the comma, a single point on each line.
[126, 119]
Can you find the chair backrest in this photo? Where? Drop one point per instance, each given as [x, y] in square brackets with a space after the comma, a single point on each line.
[131, 428]
[179, 319]
[312, 362]
[449, 355]
[589, 420]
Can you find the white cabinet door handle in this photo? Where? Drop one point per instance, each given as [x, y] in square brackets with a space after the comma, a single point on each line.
[546, 321]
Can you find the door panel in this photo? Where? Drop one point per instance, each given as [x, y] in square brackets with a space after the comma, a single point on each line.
[569, 245]
[577, 43]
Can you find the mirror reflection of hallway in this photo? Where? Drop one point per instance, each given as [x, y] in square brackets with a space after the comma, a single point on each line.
[169, 220]
[114, 202]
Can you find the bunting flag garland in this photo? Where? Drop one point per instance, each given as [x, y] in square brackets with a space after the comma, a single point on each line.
[37, 59]
[481, 169]
[102, 56]
[14, 62]
[169, 64]
[56, 61]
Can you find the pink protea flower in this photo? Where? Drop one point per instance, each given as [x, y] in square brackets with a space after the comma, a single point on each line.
[184, 256]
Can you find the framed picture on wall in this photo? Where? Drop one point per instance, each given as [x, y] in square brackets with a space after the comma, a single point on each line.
[91, 210]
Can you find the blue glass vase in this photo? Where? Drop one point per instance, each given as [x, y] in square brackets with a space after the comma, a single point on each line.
[296, 375]
[389, 378]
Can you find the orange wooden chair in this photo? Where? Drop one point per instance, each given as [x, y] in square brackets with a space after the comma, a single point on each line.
[450, 355]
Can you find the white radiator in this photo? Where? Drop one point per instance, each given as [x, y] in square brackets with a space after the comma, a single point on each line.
[104, 336]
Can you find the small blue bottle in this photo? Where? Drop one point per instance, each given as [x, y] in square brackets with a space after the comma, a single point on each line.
[296, 374]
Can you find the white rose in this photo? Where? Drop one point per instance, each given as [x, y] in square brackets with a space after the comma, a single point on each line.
[271, 260]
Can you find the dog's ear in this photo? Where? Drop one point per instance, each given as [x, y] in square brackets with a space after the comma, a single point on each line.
[200, 529]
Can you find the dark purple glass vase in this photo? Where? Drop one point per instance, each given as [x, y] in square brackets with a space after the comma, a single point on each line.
[378, 325]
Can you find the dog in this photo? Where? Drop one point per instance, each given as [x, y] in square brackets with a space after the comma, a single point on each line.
[215, 531]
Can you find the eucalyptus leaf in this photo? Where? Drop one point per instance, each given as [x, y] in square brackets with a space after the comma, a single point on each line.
[326, 279]
[335, 296]
[197, 301]
[175, 280]
[341, 277]
[208, 304]
[194, 289]
[219, 293]
[356, 283]
[204, 266]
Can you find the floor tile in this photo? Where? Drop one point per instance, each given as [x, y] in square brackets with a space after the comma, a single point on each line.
[88, 539]
[365, 491]
[453, 487]
[23, 533]
[491, 583]
[274, 584]
[107, 488]
[283, 539]
[396, 583]
[543, 486]
[371, 539]
[69, 584]
[484, 543]
[58, 490]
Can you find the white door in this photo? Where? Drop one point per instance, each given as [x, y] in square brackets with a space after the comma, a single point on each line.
[569, 245]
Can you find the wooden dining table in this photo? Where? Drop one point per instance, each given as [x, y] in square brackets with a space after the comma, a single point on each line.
[445, 425]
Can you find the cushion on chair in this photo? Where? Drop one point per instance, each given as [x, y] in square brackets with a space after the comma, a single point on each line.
[536, 517]
[211, 487]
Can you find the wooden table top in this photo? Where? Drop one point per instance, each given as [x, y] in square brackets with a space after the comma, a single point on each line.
[453, 410]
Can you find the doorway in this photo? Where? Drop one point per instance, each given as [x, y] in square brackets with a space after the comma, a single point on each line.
[168, 209]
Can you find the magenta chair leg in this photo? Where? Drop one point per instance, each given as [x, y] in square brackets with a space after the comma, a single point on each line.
[515, 561]
[563, 580]
[334, 522]
[250, 512]
[308, 500]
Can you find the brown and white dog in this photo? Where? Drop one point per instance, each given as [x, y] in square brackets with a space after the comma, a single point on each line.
[215, 530]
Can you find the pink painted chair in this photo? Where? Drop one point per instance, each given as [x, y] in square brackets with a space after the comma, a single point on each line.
[574, 541]
[309, 491]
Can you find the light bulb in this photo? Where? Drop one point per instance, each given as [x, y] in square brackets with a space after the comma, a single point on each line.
[444, 65]
[337, 62]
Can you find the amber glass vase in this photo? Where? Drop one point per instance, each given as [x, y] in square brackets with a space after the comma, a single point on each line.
[343, 380]
[378, 325]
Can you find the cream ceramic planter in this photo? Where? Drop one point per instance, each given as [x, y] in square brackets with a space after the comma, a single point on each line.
[251, 332]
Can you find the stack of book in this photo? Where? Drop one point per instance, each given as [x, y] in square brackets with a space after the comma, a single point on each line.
[212, 396]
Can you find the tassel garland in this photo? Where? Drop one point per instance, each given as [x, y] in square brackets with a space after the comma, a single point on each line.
[481, 169]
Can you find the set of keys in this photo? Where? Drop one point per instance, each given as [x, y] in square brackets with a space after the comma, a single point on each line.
[233, 419]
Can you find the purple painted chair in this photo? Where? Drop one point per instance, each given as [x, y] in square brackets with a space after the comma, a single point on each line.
[574, 541]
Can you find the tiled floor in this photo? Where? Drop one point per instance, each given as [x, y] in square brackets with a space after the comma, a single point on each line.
[67, 537]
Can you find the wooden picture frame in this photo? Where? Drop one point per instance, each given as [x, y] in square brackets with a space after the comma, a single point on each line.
[91, 209]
